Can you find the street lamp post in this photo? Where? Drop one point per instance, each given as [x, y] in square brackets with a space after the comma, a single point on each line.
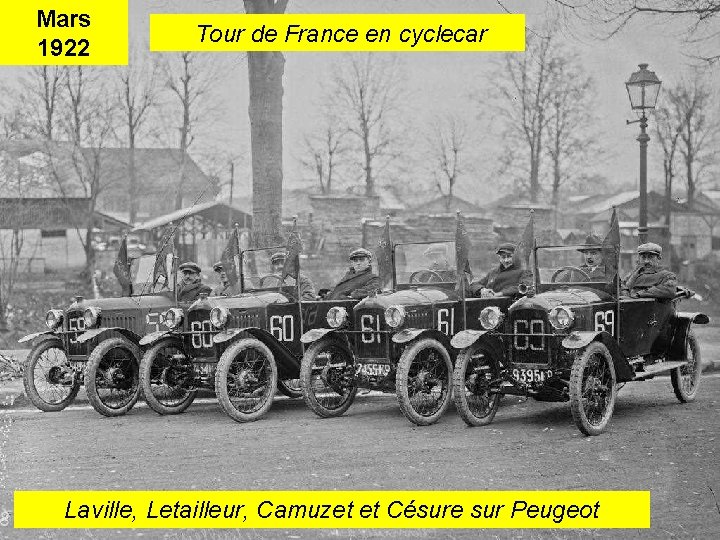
[643, 88]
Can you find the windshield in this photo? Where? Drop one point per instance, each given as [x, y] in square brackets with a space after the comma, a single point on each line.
[428, 262]
[141, 270]
[576, 264]
[262, 268]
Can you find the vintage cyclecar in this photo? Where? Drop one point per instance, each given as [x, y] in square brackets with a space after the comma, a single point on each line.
[576, 340]
[96, 341]
[244, 347]
[395, 341]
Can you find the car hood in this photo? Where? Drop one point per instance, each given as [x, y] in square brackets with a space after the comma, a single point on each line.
[406, 298]
[245, 301]
[123, 303]
[567, 297]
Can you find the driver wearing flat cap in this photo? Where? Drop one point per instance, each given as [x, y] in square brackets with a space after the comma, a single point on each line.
[593, 264]
[224, 289]
[505, 279]
[191, 286]
[649, 279]
[359, 281]
[305, 284]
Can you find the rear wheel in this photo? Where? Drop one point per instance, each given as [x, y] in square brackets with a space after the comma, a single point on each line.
[423, 381]
[475, 370]
[686, 379]
[593, 389]
[290, 387]
[49, 381]
[166, 375]
[246, 380]
[326, 378]
[112, 376]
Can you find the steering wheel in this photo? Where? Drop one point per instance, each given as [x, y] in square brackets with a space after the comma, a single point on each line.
[570, 270]
[430, 276]
[270, 277]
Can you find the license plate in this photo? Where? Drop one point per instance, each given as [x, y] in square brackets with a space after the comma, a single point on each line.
[531, 375]
[374, 370]
[78, 367]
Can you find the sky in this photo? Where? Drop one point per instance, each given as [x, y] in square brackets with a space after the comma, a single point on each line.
[439, 83]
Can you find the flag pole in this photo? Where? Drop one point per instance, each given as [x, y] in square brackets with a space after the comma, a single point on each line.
[461, 275]
[241, 276]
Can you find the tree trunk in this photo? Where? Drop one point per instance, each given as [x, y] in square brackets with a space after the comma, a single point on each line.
[132, 184]
[534, 174]
[690, 181]
[369, 180]
[266, 92]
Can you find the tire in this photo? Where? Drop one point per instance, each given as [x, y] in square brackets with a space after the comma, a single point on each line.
[475, 368]
[112, 376]
[45, 377]
[593, 389]
[290, 387]
[686, 379]
[327, 387]
[246, 380]
[163, 377]
[424, 368]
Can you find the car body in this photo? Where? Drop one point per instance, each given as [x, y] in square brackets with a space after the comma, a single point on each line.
[244, 347]
[95, 342]
[396, 341]
[576, 340]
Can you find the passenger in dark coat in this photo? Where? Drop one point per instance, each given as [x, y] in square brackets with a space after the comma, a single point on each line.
[649, 279]
[191, 286]
[224, 288]
[593, 263]
[504, 280]
[359, 281]
[305, 285]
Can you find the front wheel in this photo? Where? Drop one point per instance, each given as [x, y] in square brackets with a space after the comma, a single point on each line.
[112, 377]
[246, 380]
[49, 381]
[423, 381]
[327, 378]
[475, 372]
[166, 375]
[686, 379]
[593, 389]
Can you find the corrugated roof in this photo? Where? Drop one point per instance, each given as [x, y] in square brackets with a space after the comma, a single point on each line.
[211, 210]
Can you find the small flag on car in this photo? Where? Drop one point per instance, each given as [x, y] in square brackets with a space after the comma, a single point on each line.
[166, 247]
[121, 269]
[383, 252]
[462, 251]
[525, 246]
[228, 258]
[294, 247]
[611, 246]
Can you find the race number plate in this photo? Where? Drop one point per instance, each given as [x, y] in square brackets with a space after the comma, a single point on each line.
[78, 367]
[374, 370]
[531, 375]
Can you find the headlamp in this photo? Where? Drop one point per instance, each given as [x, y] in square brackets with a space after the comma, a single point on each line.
[490, 317]
[561, 317]
[173, 317]
[336, 316]
[219, 316]
[395, 316]
[53, 318]
[91, 316]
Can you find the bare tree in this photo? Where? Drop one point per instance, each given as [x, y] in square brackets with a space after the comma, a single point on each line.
[136, 96]
[323, 154]
[265, 70]
[365, 93]
[39, 101]
[447, 145]
[667, 130]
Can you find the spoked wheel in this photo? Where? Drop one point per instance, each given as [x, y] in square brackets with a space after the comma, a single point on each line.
[246, 380]
[166, 376]
[327, 378]
[686, 379]
[49, 381]
[112, 377]
[475, 371]
[290, 387]
[423, 381]
[593, 389]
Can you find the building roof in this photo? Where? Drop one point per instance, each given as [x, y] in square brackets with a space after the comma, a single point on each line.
[218, 212]
[446, 204]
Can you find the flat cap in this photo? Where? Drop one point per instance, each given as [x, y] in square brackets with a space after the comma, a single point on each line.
[360, 253]
[506, 247]
[650, 247]
[218, 266]
[278, 257]
[189, 266]
[435, 249]
[592, 243]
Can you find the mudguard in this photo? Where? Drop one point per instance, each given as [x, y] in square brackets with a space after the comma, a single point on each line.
[681, 328]
[315, 334]
[153, 337]
[580, 339]
[408, 334]
[465, 338]
[31, 337]
[227, 335]
[94, 332]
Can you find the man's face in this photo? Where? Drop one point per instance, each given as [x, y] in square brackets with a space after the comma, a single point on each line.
[649, 260]
[277, 266]
[593, 257]
[505, 258]
[189, 277]
[222, 275]
[437, 260]
[358, 264]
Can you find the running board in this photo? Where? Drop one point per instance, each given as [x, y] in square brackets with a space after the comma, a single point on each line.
[655, 369]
